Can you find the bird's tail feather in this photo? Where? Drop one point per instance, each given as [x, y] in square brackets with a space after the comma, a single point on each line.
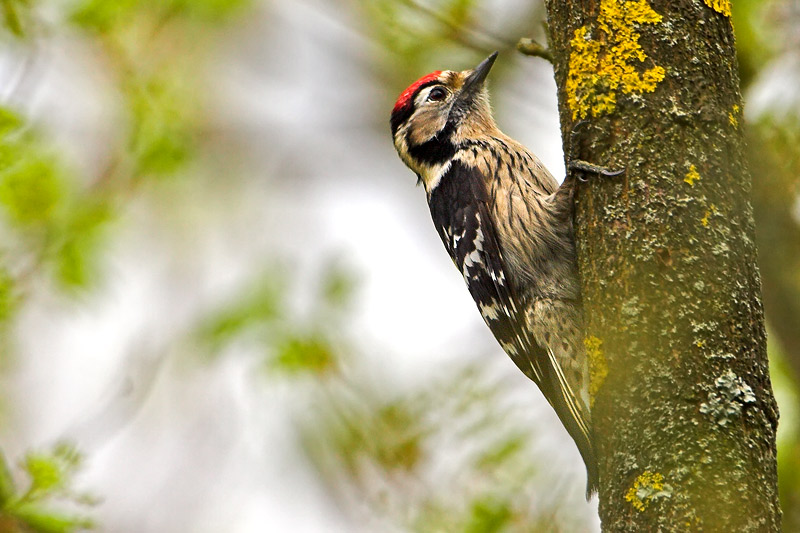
[574, 414]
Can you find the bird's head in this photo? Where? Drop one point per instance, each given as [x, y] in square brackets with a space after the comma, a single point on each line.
[438, 112]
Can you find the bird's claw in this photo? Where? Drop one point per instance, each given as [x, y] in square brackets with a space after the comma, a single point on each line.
[580, 167]
[586, 167]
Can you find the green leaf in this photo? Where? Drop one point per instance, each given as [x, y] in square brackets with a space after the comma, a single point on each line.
[7, 487]
[12, 18]
[305, 355]
[338, 286]
[258, 305]
[101, 15]
[8, 296]
[210, 11]
[43, 520]
[104, 16]
[10, 121]
[76, 254]
[162, 136]
[50, 477]
[51, 472]
[489, 515]
[502, 451]
[30, 190]
[44, 471]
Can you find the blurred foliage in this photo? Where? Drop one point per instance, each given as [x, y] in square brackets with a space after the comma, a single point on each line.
[53, 225]
[57, 221]
[49, 503]
[418, 36]
[774, 152]
[254, 310]
[453, 454]
[15, 16]
[764, 30]
[158, 52]
[161, 139]
[787, 394]
[104, 16]
[261, 314]
[766, 33]
[752, 40]
[412, 30]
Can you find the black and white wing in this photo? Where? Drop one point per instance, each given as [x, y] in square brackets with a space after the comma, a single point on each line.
[460, 211]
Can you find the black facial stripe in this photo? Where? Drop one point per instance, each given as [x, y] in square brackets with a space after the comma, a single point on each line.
[402, 114]
[435, 151]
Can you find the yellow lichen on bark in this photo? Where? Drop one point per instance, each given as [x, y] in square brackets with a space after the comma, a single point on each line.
[644, 489]
[692, 176]
[598, 366]
[720, 6]
[712, 210]
[599, 68]
[733, 116]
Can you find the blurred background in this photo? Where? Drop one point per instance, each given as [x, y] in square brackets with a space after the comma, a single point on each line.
[223, 305]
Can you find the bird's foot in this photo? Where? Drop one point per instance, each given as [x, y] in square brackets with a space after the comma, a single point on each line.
[579, 166]
[584, 167]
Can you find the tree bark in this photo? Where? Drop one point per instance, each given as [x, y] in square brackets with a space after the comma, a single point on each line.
[682, 404]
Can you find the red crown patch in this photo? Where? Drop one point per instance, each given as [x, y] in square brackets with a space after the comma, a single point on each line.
[406, 95]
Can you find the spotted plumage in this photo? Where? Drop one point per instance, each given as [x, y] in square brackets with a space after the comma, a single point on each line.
[507, 225]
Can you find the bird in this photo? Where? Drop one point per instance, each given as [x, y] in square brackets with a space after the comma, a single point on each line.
[507, 225]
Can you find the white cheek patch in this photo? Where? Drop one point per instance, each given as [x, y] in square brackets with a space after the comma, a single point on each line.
[432, 175]
[400, 143]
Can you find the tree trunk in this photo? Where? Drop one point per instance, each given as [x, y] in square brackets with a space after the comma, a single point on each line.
[682, 403]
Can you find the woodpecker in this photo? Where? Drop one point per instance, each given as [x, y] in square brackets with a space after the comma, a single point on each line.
[507, 225]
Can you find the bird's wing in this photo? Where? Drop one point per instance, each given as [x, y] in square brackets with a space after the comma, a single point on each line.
[465, 223]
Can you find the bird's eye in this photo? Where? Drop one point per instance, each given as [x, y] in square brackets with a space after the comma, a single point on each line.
[437, 94]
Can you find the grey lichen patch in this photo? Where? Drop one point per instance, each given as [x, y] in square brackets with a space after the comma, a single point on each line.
[710, 326]
[631, 308]
[722, 356]
[615, 211]
[725, 403]
[721, 249]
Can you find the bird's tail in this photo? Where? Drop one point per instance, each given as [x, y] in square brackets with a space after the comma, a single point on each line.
[574, 414]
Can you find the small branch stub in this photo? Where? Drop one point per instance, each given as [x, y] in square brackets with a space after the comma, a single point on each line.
[529, 47]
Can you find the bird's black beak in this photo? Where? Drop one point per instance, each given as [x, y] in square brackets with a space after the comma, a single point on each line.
[474, 81]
